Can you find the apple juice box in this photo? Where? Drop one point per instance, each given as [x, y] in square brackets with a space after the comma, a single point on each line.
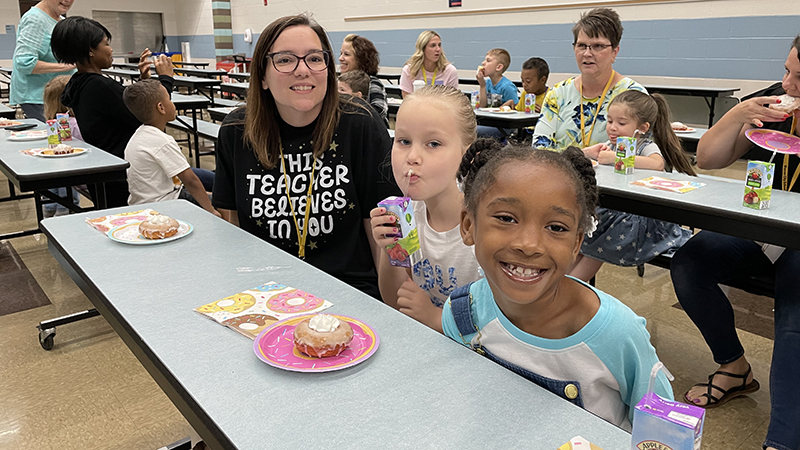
[530, 103]
[626, 153]
[406, 251]
[53, 137]
[660, 424]
[63, 127]
[758, 184]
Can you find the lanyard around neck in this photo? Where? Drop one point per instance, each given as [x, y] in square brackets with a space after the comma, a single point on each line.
[785, 169]
[301, 237]
[425, 76]
[586, 140]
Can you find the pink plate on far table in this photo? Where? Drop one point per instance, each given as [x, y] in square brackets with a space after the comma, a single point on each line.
[275, 346]
[776, 141]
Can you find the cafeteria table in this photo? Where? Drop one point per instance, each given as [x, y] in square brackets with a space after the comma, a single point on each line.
[199, 65]
[238, 89]
[218, 114]
[195, 104]
[502, 121]
[709, 94]
[240, 76]
[419, 390]
[717, 206]
[7, 113]
[202, 73]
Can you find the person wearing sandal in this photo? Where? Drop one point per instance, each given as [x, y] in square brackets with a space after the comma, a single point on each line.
[710, 258]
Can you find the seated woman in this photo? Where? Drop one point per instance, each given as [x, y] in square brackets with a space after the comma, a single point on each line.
[575, 110]
[359, 53]
[104, 120]
[298, 166]
[710, 258]
[429, 64]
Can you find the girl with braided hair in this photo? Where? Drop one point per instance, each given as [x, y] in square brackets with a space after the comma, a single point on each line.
[525, 212]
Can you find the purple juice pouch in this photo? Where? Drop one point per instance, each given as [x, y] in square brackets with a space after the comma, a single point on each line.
[406, 251]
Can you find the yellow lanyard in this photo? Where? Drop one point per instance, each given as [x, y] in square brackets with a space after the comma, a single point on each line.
[301, 237]
[785, 170]
[425, 76]
[587, 140]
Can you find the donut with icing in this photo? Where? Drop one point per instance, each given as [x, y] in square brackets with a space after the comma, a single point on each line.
[787, 105]
[158, 226]
[62, 149]
[322, 335]
[293, 301]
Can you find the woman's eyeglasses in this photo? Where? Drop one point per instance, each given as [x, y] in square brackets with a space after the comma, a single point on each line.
[594, 48]
[287, 62]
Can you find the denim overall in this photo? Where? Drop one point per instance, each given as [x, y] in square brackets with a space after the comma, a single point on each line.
[461, 305]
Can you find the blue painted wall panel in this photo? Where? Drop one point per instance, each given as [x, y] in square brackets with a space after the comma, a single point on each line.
[729, 47]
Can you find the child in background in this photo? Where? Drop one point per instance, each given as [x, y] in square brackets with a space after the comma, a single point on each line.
[435, 125]
[535, 73]
[621, 238]
[53, 106]
[564, 335]
[158, 167]
[354, 82]
[493, 83]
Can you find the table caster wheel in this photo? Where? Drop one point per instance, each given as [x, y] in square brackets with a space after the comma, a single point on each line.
[46, 338]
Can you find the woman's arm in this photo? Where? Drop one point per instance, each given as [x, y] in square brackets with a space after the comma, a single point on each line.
[48, 67]
[725, 142]
[31, 38]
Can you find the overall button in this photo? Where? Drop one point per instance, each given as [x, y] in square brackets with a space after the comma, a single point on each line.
[571, 391]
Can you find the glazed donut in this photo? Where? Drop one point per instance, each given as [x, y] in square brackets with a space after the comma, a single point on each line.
[293, 301]
[322, 335]
[158, 227]
[787, 105]
[62, 149]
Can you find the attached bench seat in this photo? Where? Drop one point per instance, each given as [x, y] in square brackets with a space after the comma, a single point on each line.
[205, 130]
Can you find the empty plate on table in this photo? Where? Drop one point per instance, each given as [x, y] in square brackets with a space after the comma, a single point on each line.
[275, 346]
[687, 130]
[129, 234]
[498, 110]
[48, 152]
[32, 135]
[773, 140]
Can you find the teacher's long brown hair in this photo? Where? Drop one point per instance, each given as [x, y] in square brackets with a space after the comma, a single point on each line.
[261, 120]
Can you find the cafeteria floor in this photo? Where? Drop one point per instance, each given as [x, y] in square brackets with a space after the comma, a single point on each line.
[90, 392]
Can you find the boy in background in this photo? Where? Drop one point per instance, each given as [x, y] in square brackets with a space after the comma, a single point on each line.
[158, 170]
[535, 73]
[354, 82]
[493, 66]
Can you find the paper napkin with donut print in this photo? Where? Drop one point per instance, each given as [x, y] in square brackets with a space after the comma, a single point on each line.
[251, 311]
[665, 184]
[105, 223]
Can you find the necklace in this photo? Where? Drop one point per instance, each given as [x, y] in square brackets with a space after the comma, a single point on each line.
[301, 237]
[425, 76]
[586, 140]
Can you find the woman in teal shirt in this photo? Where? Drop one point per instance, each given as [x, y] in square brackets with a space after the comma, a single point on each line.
[34, 63]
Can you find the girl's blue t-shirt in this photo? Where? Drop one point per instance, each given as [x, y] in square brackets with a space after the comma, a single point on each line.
[611, 356]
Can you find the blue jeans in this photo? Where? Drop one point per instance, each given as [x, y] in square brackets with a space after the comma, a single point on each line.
[206, 177]
[50, 209]
[710, 258]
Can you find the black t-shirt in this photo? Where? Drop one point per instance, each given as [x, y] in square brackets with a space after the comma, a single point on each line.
[760, 154]
[349, 180]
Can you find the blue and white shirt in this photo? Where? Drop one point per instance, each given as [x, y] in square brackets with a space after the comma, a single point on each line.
[611, 356]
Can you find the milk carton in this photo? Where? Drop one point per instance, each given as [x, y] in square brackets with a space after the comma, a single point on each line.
[53, 136]
[660, 424]
[530, 103]
[758, 184]
[626, 153]
[406, 251]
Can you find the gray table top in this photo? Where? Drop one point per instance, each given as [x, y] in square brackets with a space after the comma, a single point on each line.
[200, 72]
[25, 168]
[183, 101]
[419, 390]
[717, 206]
[243, 76]
[709, 91]
[694, 136]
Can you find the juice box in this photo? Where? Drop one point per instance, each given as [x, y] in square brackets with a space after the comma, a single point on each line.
[758, 184]
[406, 251]
[65, 132]
[53, 136]
[475, 98]
[626, 153]
[660, 424]
[530, 103]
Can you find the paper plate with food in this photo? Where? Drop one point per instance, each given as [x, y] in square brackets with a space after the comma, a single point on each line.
[316, 343]
[59, 151]
[156, 229]
[500, 110]
[680, 127]
[28, 135]
[774, 140]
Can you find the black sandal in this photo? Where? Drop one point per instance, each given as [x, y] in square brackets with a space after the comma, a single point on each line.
[731, 393]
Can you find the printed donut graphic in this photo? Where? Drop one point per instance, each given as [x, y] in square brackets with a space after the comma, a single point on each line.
[233, 304]
[269, 287]
[252, 323]
[127, 219]
[293, 301]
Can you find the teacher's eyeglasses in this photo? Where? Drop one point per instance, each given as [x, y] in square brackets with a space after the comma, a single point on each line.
[287, 62]
[594, 48]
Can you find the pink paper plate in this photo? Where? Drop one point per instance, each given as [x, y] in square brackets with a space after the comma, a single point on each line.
[776, 141]
[275, 346]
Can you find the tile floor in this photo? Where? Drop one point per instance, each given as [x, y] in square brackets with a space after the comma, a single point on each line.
[90, 392]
